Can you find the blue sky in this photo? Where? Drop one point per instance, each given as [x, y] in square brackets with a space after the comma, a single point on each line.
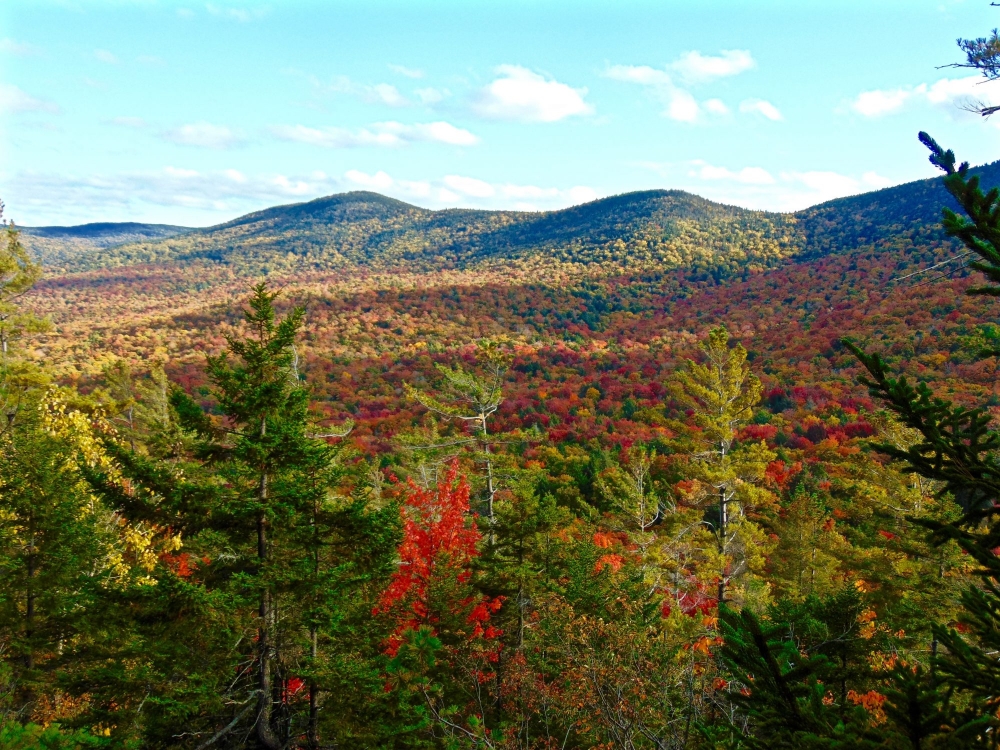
[193, 113]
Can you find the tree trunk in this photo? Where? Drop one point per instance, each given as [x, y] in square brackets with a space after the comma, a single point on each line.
[29, 607]
[313, 695]
[265, 734]
[490, 485]
[313, 730]
[723, 524]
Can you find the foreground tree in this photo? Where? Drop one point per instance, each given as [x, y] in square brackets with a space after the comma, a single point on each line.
[472, 397]
[18, 274]
[299, 550]
[959, 449]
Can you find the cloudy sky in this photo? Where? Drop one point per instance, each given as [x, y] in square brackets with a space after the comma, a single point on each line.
[192, 113]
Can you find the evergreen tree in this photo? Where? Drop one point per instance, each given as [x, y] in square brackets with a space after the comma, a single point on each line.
[959, 450]
[18, 274]
[297, 547]
[721, 392]
[472, 397]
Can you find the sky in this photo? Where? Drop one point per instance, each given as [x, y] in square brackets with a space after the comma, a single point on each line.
[193, 113]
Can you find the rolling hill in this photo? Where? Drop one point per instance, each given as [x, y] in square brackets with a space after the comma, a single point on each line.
[382, 277]
[657, 229]
[55, 246]
[653, 228]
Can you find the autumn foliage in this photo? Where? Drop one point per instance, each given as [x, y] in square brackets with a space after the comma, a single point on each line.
[440, 543]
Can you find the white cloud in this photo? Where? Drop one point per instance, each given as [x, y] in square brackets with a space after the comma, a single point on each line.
[407, 72]
[692, 68]
[695, 67]
[757, 188]
[21, 49]
[380, 93]
[381, 134]
[151, 60]
[378, 181]
[679, 103]
[522, 192]
[384, 183]
[946, 92]
[430, 95]
[14, 99]
[386, 93]
[441, 132]
[827, 184]
[875, 180]
[521, 94]
[177, 194]
[329, 137]
[747, 175]
[582, 194]
[204, 135]
[106, 57]
[761, 107]
[641, 74]
[716, 107]
[191, 195]
[416, 188]
[469, 186]
[461, 190]
[129, 122]
[877, 103]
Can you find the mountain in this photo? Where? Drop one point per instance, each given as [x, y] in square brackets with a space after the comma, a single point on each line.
[655, 229]
[910, 212]
[55, 246]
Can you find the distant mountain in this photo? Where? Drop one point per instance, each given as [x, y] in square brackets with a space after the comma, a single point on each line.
[655, 229]
[909, 213]
[58, 245]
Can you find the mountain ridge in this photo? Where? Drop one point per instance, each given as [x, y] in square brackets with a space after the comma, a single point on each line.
[659, 228]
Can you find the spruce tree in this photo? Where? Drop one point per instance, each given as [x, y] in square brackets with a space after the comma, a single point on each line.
[960, 450]
[276, 475]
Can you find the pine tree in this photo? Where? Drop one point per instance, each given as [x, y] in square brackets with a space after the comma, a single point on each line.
[959, 450]
[721, 392]
[783, 684]
[265, 453]
[472, 397]
[18, 274]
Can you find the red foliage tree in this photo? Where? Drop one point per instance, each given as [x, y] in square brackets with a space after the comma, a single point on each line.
[438, 547]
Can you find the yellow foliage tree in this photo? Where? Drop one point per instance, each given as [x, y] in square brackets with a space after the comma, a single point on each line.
[724, 477]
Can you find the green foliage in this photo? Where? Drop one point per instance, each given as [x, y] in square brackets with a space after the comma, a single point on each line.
[52, 737]
[958, 449]
[18, 274]
[656, 229]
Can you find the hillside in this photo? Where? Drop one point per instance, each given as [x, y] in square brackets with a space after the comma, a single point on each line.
[402, 277]
[651, 229]
[910, 213]
[55, 246]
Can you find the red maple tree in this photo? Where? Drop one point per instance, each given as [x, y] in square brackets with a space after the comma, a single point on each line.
[438, 547]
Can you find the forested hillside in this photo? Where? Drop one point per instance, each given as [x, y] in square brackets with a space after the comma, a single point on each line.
[668, 229]
[625, 475]
[55, 246]
[657, 229]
